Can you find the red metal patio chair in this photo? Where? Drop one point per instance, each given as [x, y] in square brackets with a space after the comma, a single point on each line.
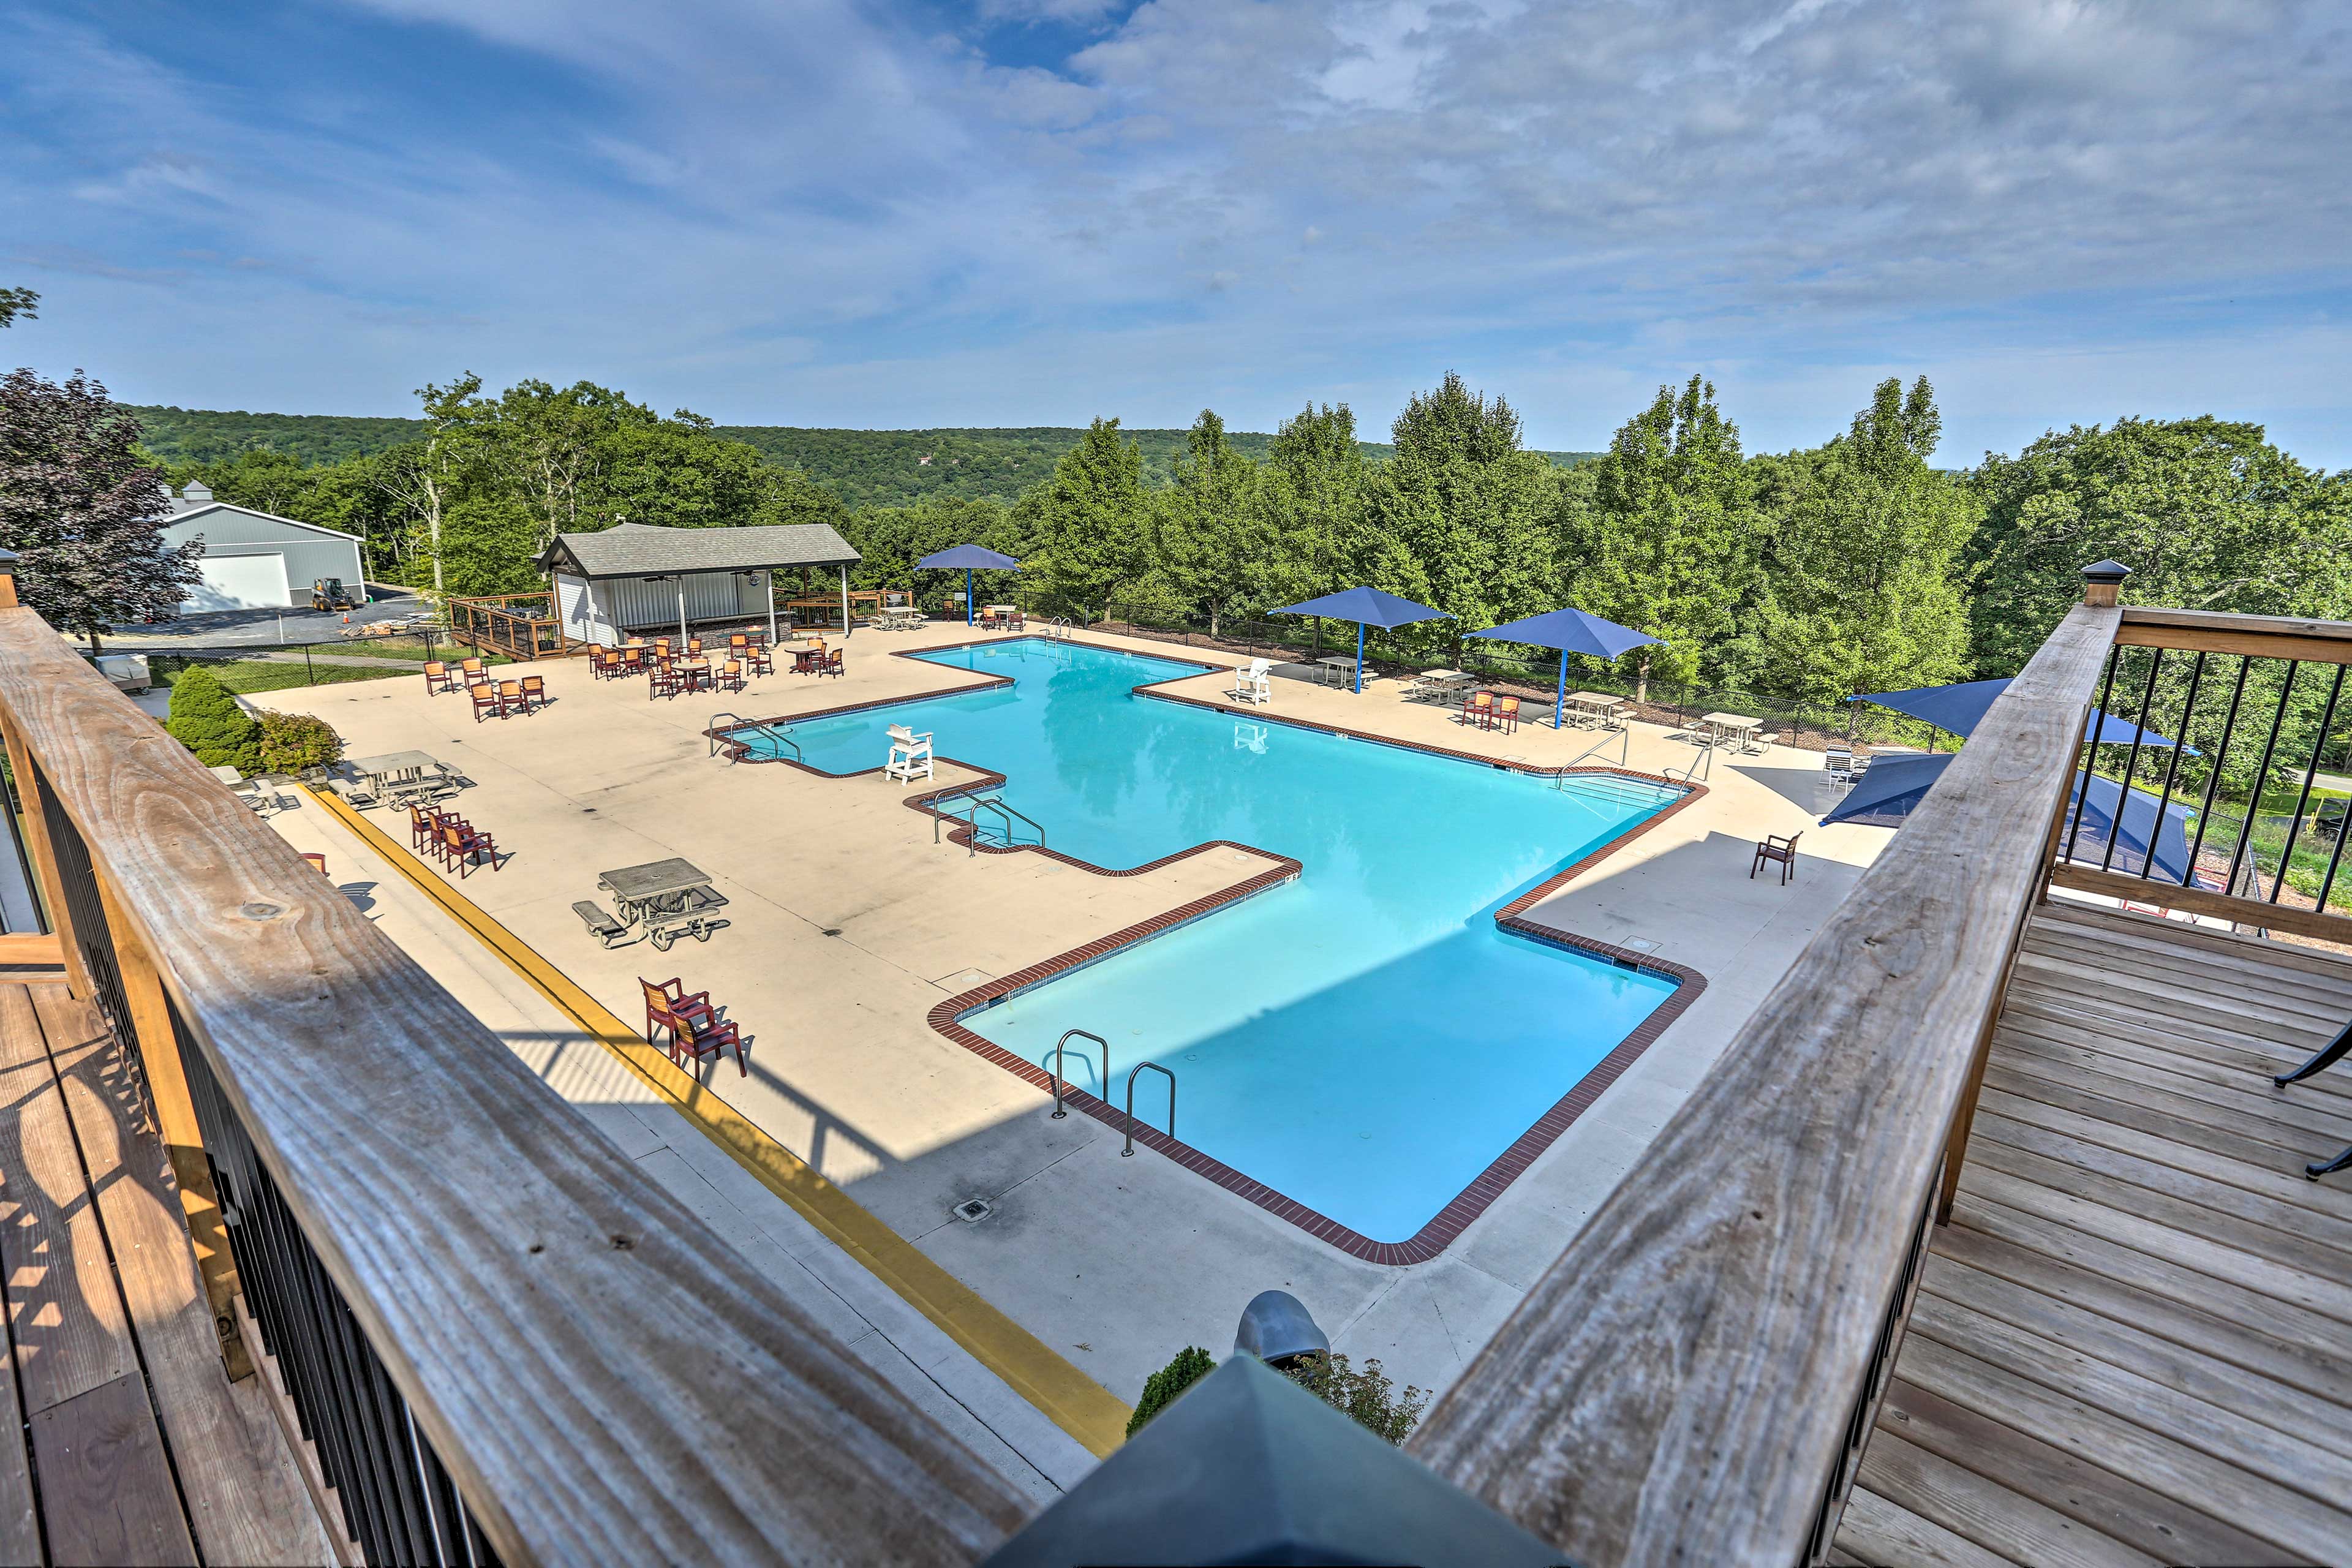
[1479, 711]
[486, 700]
[438, 678]
[833, 664]
[1506, 715]
[534, 692]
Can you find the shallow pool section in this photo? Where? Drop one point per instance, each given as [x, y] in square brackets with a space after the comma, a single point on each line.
[1365, 1039]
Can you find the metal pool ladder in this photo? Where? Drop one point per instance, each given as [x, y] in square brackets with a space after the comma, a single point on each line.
[780, 738]
[1138, 1067]
[1059, 1081]
[979, 802]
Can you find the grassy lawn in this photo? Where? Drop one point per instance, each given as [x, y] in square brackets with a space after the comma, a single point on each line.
[251, 675]
[410, 648]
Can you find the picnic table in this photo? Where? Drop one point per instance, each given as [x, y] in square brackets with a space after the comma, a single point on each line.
[1732, 726]
[673, 898]
[1341, 666]
[1596, 705]
[394, 778]
[1443, 684]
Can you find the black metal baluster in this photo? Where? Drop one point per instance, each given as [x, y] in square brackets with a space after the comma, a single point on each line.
[2213, 778]
[2091, 756]
[2172, 765]
[2262, 781]
[2310, 775]
[2131, 768]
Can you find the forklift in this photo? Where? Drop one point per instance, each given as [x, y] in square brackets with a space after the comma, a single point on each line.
[327, 593]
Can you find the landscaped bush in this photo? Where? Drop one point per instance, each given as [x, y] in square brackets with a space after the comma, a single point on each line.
[207, 720]
[293, 741]
[1364, 1393]
[1190, 1365]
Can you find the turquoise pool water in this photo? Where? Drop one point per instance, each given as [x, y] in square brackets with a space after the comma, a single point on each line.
[1364, 1039]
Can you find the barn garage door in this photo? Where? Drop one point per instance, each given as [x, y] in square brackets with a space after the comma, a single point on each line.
[239, 582]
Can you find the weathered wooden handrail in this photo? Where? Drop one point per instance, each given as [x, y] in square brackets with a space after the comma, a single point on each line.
[2213, 631]
[605, 1378]
[1681, 1384]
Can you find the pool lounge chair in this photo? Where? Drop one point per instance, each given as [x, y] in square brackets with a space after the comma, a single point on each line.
[1255, 684]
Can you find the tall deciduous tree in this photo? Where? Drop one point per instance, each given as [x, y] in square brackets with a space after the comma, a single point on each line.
[1466, 510]
[2207, 513]
[1862, 583]
[423, 477]
[1311, 493]
[82, 508]
[1092, 519]
[1667, 542]
[1213, 541]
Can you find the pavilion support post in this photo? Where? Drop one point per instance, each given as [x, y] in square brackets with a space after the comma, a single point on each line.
[768, 580]
[844, 604]
[680, 580]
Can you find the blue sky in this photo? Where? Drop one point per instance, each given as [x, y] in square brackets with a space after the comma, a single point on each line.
[911, 212]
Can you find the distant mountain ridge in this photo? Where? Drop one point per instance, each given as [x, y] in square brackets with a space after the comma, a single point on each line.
[864, 468]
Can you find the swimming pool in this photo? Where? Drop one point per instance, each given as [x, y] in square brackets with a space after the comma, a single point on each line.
[1365, 1039]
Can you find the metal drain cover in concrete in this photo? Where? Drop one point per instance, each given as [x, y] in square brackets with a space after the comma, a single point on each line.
[971, 1211]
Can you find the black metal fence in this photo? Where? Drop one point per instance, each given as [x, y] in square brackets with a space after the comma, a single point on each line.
[1533, 674]
[398, 1502]
[264, 665]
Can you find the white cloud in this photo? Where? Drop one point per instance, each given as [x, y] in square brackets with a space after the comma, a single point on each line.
[774, 209]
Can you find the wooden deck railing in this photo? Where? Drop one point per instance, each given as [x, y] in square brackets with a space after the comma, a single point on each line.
[505, 1337]
[1690, 1380]
[520, 626]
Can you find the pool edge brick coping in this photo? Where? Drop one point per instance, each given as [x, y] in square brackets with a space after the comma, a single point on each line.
[1449, 1222]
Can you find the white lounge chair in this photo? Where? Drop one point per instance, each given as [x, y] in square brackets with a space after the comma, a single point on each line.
[911, 755]
[1255, 684]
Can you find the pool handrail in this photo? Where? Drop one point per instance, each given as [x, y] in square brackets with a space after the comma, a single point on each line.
[1059, 1081]
[1155, 1067]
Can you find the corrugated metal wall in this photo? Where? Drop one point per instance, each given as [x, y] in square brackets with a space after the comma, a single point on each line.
[308, 556]
[582, 613]
[639, 606]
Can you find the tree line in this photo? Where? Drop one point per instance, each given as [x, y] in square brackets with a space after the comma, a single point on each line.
[1855, 565]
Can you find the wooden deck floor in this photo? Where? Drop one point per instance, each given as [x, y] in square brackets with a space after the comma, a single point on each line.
[131, 1446]
[2133, 1344]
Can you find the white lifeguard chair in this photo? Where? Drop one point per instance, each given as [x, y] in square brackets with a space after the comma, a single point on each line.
[911, 755]
[1254, 685]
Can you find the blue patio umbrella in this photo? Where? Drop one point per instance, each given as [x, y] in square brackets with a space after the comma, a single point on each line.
[1570, 631]
[1959, 708]
[1366, 608]
[971, 557]
[1892, 789]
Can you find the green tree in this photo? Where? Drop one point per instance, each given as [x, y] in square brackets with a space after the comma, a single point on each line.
[1666, 541]
[1214, 541]
[1311, 496]
[2207, 513]
[1092, 519]
[82, 508]
[1861, 588]
[1159, 1390]
[1463, 515]
[423, 477]
[16, 302]
[205, 718]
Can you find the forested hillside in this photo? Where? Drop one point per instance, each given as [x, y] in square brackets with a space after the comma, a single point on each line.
[863, 468]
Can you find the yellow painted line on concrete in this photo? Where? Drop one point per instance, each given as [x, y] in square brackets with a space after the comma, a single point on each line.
[1067, 1396]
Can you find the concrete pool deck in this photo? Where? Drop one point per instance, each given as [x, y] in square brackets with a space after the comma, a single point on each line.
[850, 925]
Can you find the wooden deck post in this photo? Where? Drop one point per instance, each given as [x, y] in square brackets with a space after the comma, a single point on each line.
[44, 860]
[175, 1119]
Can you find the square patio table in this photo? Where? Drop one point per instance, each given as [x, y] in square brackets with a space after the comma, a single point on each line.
[1341, 666]
[1726, 725]
[669, 896]
[1596, 705]
[1445, 685]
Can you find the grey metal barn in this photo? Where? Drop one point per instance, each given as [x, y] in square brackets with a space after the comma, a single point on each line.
[257, 560]
[635, 577]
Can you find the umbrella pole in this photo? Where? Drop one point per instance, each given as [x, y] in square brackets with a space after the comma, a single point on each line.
[1359, 658]
[1559, 693]
[967, 595]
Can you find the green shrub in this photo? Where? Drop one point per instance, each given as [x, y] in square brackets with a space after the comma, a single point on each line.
[1364, 1394]
[207, 720]
[293, 741]
[1190, 1365]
